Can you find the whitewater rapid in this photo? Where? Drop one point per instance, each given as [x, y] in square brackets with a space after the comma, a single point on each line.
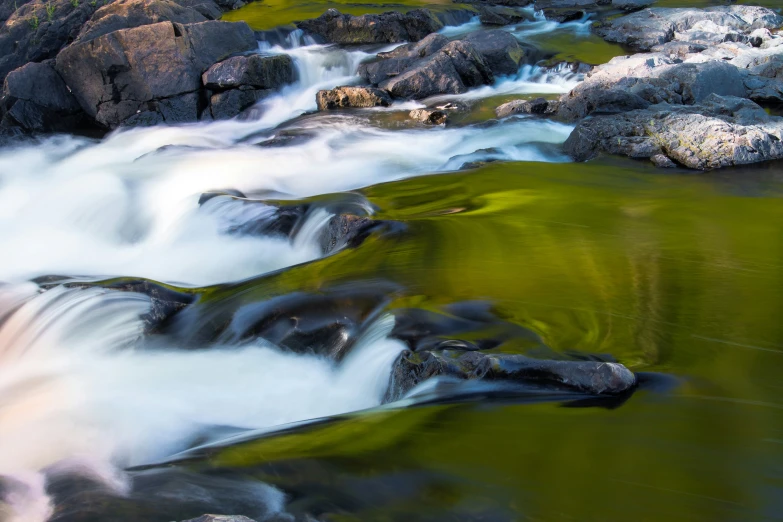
[79, 386]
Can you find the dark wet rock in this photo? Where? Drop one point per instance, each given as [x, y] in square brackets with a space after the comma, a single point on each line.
[719, 132]
[429, 116]
[393, 63]
[654, 26]
[587, 377]
[352, 97]
[228, 104]
[391, 27]
[632, 5]
[287, 137]
[220, 518]
[259, 72]
[345, 230]
[563, 15]
[565, 4]
[246, 217]
[538, 106]
[36, 99]
[500, 15]
[206, 196]
[500, 50]
[150, 73]
[634, 82]
[507, 3]
[452, 69]
[126, 14]
[38, 30]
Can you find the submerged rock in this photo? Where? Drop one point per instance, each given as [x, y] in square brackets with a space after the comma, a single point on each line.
[589, 377]
[429, 116]
[356, 97]
[500, 15]
[719, 132]
[391, 27]
[36, 99]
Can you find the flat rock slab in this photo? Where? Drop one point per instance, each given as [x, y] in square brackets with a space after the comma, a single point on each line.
[722, 131]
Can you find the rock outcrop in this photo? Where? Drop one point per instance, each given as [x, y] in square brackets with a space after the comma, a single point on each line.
[355, 97]
[391, 27]
[127, 14]
[721, 131]
[36, 99]
[149, 74]
[429, 116]
[500, 50]
[587, 377]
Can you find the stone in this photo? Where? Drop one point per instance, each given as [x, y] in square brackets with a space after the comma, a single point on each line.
[563, 4]
[587, 377]
[393, 63]
[391, 27]
[148, 73]
[430, 116]
[453, 69]
[231, 103]
[126, 14]
[500, 15]
[721, 131]
[500, 50]
[352, 97]
[631, 5]
[259, 72]
[37, 99]
[536, 106]
[654, 26]
[563, 15]
[220, 518]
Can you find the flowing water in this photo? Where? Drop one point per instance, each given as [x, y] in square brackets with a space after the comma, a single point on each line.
[676, 273]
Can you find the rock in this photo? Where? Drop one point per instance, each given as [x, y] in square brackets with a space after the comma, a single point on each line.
[220, 518]
[721, 131]
[391, 27]
[453, 69]
[537, 106]
[634, 82]
[345, 230]
[662, 161]
[228, 104]
[259, 72]
[36, 99]
[507, 3]
[588, 377]
[37, 31]
[500, 50]
[355, 97]
[393, 63]
[151, 73]
[499, 15]
[126, 14]
[564, 4]
[563, 15]
[631, 5]
[429, 116]
[654, 26]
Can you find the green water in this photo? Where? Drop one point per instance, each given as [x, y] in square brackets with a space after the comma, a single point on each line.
[676, 273]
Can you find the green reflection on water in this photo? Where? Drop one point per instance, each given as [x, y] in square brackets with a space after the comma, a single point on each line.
[675, 273]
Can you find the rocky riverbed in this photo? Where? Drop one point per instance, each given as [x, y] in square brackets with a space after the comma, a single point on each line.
[221, 242]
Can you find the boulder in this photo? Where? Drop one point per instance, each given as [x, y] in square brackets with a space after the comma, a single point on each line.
[587, 377]
[150, 73]
[500, 15]
[719, 132]
[391, 27]
[654, 26]
[634, 82]
[631, 5]
[539, 106]
[126, 14]
[220, 518]
[563, 15]
[563, 4]
[36, 99]
[429, 116]
[500, 50]
[451, 69]
[395, 62]
[225, 105]
[260, 72]
[356, 97]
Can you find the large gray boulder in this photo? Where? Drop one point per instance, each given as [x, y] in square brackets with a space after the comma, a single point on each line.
[635, 82]
[393, 63]
[126, 14]
[391, 27]
[500, 50]
[587, 377]
[352, 97]
[719, 132]
[151, 73]
[260, 72]
[654, 26]
[453, 69]
[36, 99]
